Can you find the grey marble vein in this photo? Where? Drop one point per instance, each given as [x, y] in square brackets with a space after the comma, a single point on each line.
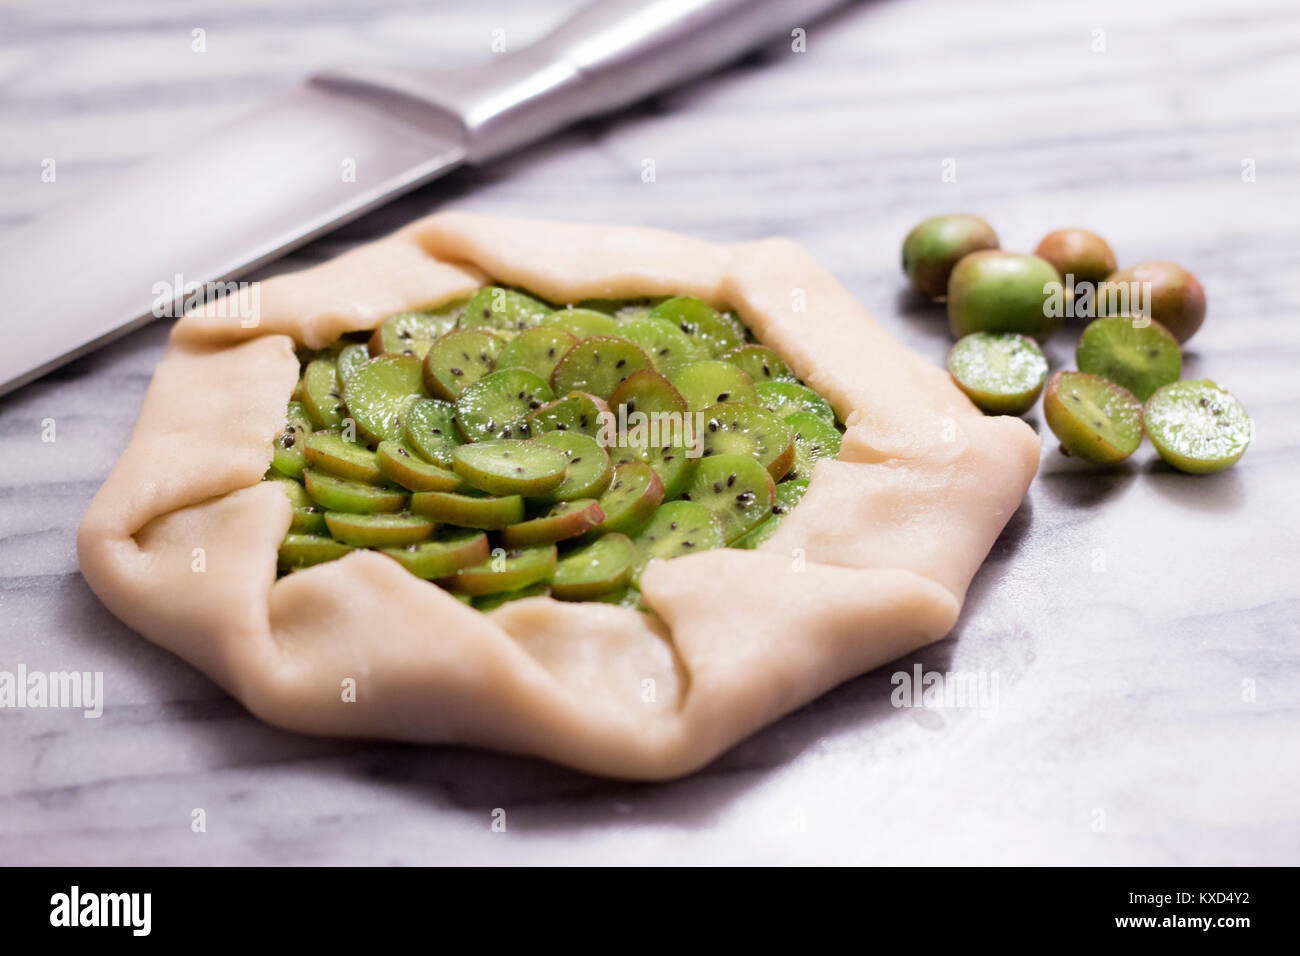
[1142, 624]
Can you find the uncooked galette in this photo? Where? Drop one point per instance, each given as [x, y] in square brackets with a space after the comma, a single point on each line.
[614, 497]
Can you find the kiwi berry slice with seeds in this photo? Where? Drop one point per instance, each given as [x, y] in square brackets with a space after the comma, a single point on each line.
[287, 455]
[647, 392]
[581, 323]
[510, 570]
[634, 494]
[1094, 419]
[667, 345]
[577, 411]
[538, 350]
[782, 398]
[458, 360]
[498, 405]
[486, 512]
[505, 310]
[707, 383]
[431, 430]
[814, 439]
[760, 363]
[402, 465]
[736, 488]
[412, 333]
[330, 451]
[378, 530]
[322, 393]
[351, 358]
[714, 331]
[443, 555]
[588, 470]
[598, 365]
[676, 529]
[305, 550]
[568, 519]
[380, 394]
[308, 518]
[595, 569]
[510, 466]
[342, 494]
[1138, 355]
[1197, 427]
[736, 428]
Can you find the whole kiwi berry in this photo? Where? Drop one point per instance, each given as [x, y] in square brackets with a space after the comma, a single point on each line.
[935, 246]
[1078, 252]
[995, 291]
[1176, 298]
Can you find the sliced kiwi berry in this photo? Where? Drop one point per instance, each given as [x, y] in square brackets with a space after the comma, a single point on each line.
[380, 394]
[1197, 427]
[634, 494]
[814, 439]
[329, 451]
[458, 360]
[431, 430]
[508, 570]
[444, 555]
[413, 333]
[402, 465]
[538, 349]
[506, 310]
[305, 550]
[736, 488]
[308, 517]
[595, 570]
[1094, 419]
[577, 412]
[568, 519]
[760, 363]
[342, 494]
[782, 398]
[736, 428]
[1001, 372]
[322, 393]
[707, 383]
[588, 469]
[581, 323]
[671, 462]
[667, 345]
[715, 332]
[287, 455]
[788, 494]
[510, 466]
[498, 405]
[598, 365]
[1138, 354]
[351, 358]
[647, 392]
[486, 512]
[494, 459]
[378, 530]
[676, 529]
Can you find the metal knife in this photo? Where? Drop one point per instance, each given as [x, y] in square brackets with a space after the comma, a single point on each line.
[213, 208]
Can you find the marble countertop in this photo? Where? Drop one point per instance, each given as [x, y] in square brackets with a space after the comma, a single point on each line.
[1141, 624]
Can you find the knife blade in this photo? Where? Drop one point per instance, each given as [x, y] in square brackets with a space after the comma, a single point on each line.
[135, 248]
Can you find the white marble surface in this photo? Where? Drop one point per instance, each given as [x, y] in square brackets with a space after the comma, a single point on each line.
[1123, 611]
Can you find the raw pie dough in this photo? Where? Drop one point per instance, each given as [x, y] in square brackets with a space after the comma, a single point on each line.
[873, 563]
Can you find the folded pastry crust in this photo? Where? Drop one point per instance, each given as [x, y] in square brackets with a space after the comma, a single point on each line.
[181, 540]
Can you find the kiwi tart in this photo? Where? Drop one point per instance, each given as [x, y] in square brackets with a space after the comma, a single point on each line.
[505, 447]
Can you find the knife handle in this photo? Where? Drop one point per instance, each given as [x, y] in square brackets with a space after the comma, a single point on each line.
[610, 54]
